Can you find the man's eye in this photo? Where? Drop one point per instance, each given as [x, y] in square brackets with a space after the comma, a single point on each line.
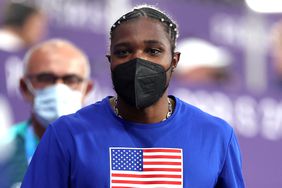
[154, 51]
[121, 53]
[45, 78]
[72, 79]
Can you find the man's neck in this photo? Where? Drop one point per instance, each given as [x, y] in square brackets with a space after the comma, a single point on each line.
[152, 114]
[37, 127]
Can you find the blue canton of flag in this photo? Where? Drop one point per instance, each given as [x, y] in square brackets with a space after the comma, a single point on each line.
[127, 159]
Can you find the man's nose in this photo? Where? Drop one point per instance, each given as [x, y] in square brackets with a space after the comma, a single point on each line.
[59, 80]
[139, 54]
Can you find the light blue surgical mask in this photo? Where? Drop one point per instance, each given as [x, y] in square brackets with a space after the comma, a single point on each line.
[55, 101]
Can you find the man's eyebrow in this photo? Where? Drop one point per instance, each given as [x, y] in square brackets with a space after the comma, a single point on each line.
[122, 44]
[154, 42]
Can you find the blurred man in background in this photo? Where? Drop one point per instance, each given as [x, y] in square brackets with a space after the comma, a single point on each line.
[23, 25]
[202, 63]
[277, 53]
[55, 82]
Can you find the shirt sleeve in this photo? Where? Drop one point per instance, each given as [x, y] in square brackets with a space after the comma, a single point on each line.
[49, 166]
[231, 173]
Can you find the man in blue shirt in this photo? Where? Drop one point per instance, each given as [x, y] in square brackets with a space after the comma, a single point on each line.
[142, 137]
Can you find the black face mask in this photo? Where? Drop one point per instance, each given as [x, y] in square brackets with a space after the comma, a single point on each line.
[139, 83]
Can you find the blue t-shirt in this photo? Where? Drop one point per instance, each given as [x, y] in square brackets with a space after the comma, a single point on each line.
[95, 148]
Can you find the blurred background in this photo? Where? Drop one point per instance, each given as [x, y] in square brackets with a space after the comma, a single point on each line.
[231, 65]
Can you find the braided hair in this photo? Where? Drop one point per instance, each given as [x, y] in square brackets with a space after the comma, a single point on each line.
[150, 12]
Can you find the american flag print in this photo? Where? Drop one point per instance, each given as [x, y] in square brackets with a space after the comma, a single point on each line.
[146, 167]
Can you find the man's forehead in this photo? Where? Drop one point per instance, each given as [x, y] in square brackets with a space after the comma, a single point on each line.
[49, 54]
[62, 49]
[55, 61]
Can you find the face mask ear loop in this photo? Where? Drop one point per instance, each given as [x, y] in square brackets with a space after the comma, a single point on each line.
[169, 67]
[29, 86]
[169, 76]
[84, 87]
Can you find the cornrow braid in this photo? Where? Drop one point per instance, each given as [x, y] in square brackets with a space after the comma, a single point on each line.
[154, 13]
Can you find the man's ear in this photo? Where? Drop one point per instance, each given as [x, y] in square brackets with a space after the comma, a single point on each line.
[109, 58]
[89, 87]
[175, 59]
[27, 95]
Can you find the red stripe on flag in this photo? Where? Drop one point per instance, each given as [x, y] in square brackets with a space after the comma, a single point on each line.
[163, 150]
[147, 182]
[146, 175]
[161, 163]
[161, 156]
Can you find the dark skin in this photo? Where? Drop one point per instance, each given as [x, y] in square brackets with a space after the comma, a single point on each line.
[147, 39]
